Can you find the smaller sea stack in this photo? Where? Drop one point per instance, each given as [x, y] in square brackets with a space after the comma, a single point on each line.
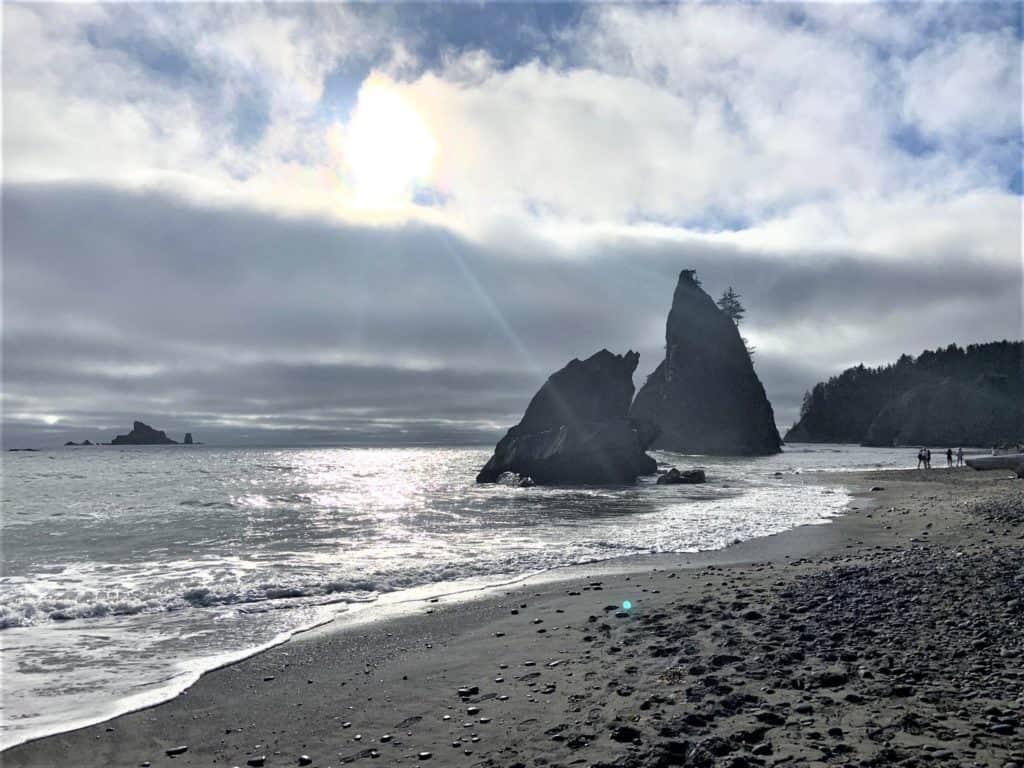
[576, 429]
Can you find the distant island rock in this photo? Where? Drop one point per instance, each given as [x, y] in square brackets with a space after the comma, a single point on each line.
[83, 443]
[948, 397]
[577, 428]
[705, 397]
[188, 438]
[143, 434]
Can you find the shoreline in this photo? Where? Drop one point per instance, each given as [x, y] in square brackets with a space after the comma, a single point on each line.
[230, 710]
[392, 606]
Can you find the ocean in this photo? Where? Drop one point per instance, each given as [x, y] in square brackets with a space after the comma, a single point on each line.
[128, 571]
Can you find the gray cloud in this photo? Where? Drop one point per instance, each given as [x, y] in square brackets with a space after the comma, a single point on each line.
[231, 322]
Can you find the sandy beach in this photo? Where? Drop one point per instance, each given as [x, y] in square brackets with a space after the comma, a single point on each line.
[892, 636]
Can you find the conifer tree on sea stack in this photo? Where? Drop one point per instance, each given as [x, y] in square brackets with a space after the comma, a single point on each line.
[730, 305]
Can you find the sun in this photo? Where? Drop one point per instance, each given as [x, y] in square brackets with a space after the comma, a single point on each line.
[387, 149]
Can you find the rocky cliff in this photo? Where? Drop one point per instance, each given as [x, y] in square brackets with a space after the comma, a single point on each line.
[576, 429]
[948, 396]
[705, 397]
[947, 413]
[143, 434]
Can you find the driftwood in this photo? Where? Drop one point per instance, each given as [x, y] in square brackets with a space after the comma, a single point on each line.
[1007, 461]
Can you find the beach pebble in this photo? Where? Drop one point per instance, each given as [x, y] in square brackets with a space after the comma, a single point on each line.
[770, 718]
[175, 751]
[425, 755]
[625, 734]
[305, 760]
[257, 762]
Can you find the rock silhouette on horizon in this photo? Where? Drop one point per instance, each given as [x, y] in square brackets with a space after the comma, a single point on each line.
[705, 396]
[143, 434]
[188, 438]
[577, 428]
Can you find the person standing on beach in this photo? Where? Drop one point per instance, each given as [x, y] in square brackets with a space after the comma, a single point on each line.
[960, 456]
[920, 457]
[949, 457]
[927, 458]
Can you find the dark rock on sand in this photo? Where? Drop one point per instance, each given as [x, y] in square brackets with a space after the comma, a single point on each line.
[705, 396]
[143, 434]
[576, 429]
[687, 476]
[625, 734]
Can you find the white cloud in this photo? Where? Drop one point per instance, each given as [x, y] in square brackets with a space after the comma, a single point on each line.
[966, 88]
[690, 115]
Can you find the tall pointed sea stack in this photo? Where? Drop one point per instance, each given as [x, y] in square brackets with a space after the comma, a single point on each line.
[705, 396]
[577, 428]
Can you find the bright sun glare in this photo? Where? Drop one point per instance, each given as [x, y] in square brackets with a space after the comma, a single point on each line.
[388, 148]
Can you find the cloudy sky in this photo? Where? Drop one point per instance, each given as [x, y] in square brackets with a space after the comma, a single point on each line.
[346, 223]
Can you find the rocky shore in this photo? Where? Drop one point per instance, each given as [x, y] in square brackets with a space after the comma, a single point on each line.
[889, 637]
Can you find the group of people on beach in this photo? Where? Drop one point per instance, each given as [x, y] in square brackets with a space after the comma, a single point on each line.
[924, 457]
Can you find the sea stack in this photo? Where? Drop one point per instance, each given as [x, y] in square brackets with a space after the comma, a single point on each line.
[143, 434]
[705, 396]
[577, 428]
[188, 438]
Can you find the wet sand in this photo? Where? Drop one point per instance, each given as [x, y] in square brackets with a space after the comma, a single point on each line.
[893, 636]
